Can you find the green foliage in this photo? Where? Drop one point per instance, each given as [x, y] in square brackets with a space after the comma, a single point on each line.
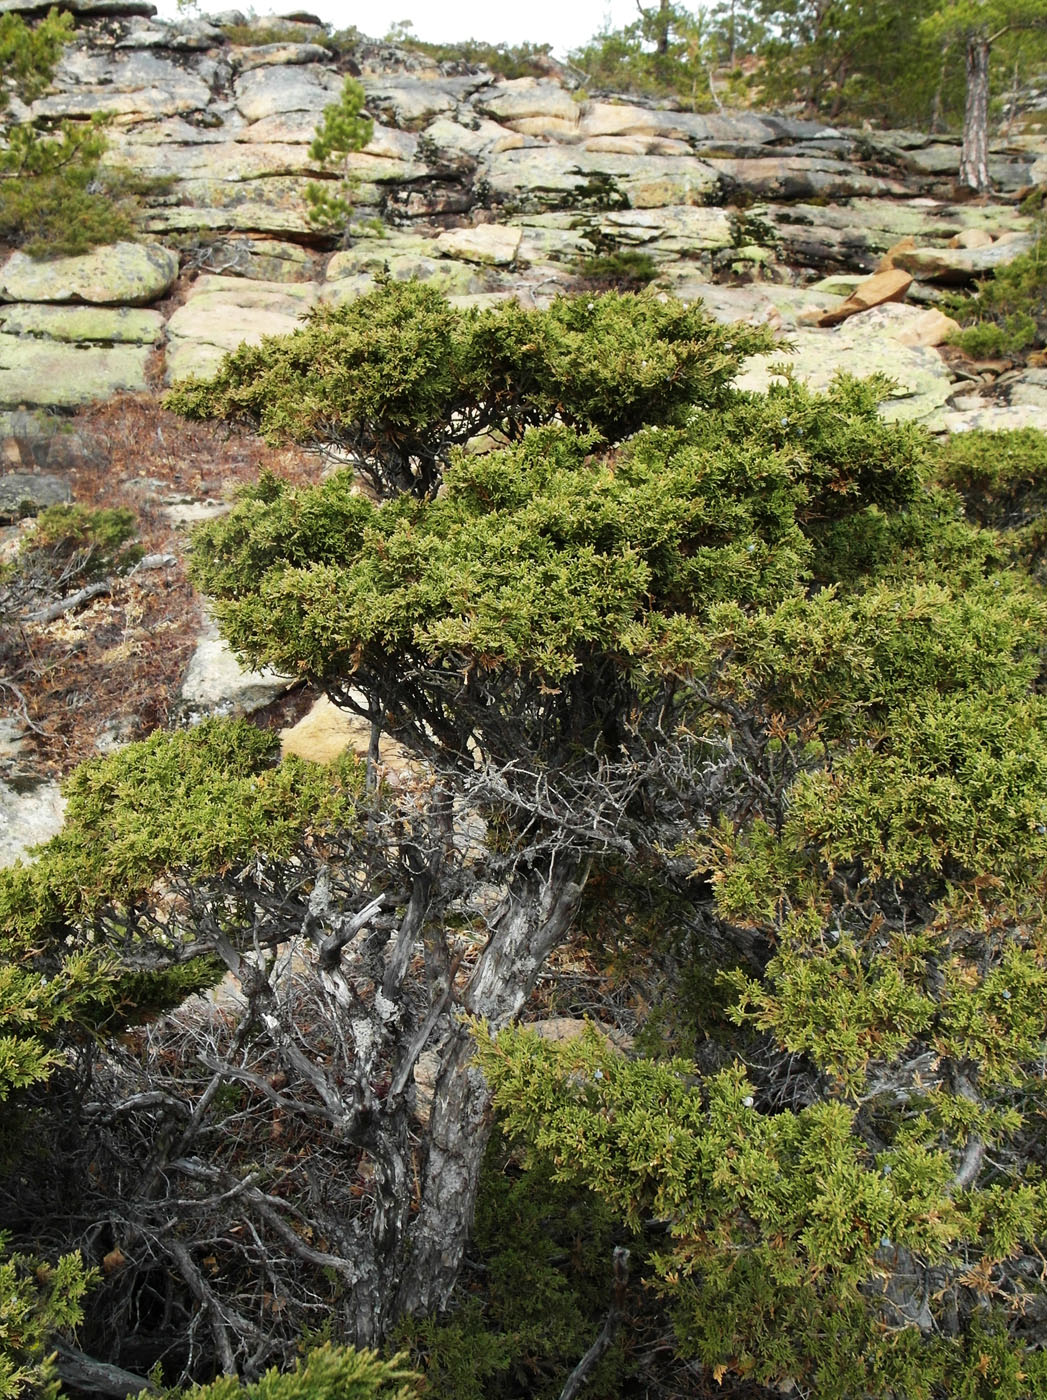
[1008, 313]
[203, 798]
[206, 799]
[625, 269]
[55, 197]
[780, 1229]
[817, 684]
[533, 557]
[667, 51]
[855, 59]
[38, 1300]
[28, 53]
[524, 60]
[253, 35]
[400, 376]
[86, 541]
[1002, 478]
[344, 129]
[324, 1373]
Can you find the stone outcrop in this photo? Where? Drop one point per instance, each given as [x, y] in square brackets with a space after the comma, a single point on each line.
[483, 186]
[486, 189]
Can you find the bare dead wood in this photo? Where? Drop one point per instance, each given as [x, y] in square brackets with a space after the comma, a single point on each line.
[75, 600]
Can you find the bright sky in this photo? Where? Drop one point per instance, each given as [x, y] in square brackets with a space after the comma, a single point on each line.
[565, 24]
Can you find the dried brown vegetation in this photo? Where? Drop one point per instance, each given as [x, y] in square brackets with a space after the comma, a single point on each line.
[111, 671]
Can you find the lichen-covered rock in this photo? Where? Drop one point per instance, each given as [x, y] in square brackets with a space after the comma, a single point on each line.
[46, 373]
[277, 89]
[216, 683]
[27, 493]
[121, 325]
[539, 177]
[953, 265]
[224, 312]
[517, 99]
[493, 244]
[28, 817]
[907, 324]
[921, 380]
[127, 274]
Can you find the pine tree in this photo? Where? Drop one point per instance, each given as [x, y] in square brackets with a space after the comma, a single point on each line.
[724, 668]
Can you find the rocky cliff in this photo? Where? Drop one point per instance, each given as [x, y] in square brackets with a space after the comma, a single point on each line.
[489, 189]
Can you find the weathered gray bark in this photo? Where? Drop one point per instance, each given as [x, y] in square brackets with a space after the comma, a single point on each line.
[974, 158]
[533, 919]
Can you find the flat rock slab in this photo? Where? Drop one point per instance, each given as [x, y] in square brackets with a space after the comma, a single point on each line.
[123, 325]
[495, 245]
[922, 383]
[27, 493]
[28, 818]
[224, 312]
[537, 177]
[908, 325]
[127, 274]
[678, 229]
[996, 418]
[46, 373]
[962, 264]
[216, 683]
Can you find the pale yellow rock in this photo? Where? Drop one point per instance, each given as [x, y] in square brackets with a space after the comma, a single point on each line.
[495, 245]
[971, 238]
[908, 325]
[889, 285]
[553, 128]
[620, 145]
[122, 274]
[327, 732]
[614, 119]
[528, 97]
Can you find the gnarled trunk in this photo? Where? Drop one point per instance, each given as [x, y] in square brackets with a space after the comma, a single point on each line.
[533, 919]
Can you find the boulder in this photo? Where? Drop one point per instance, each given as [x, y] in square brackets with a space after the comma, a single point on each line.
[271, 204]
[854, 237]
[224, 312]
[80, 324]
[28, 493]
[890, 285]
[995, 418]
[802, 177]
[410, 104]
[678, 230]
[278, 55]
[956, 265]
[517, 99]
[128, 274]
[451, 138]
[133, 85]
[46, 373]
[216, 683]
[908, 325]
[28, 817]
[538, 177]
[921, 380]
[277, 89]
[972, 238]
[493, 244]
[1030, 388]
[326, 732]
